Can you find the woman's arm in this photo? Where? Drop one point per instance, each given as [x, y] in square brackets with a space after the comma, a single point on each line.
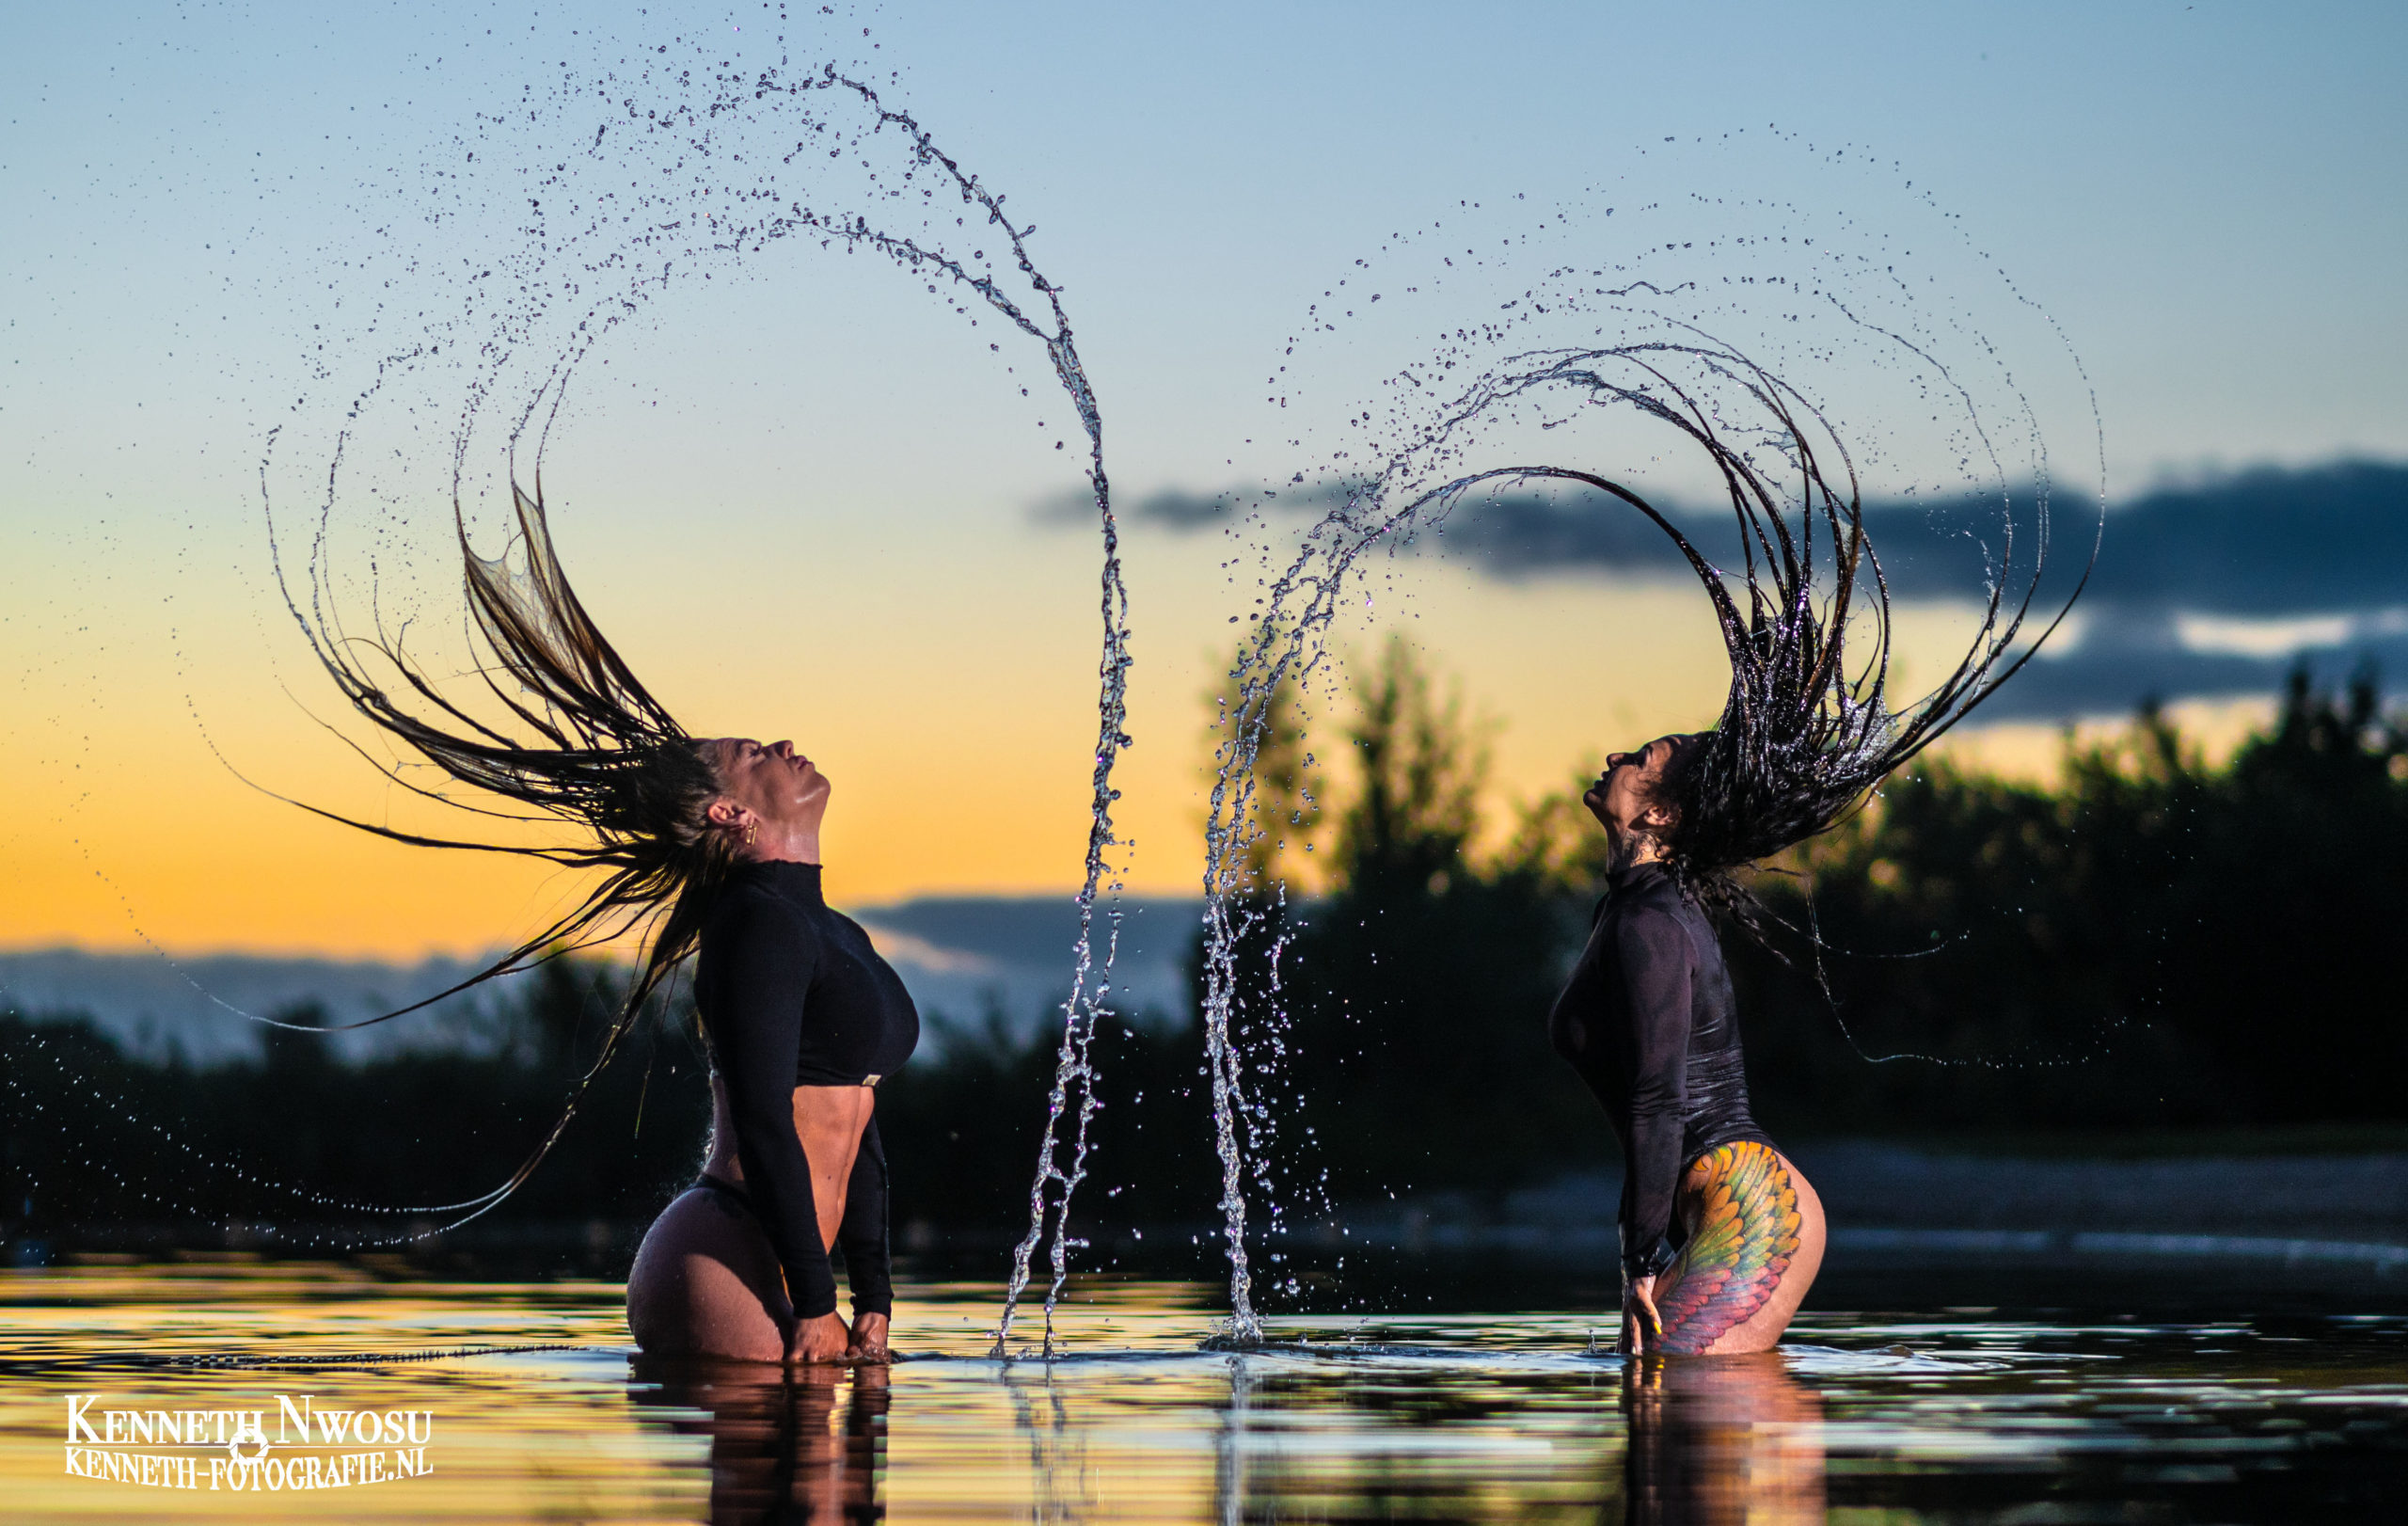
[763, 958]
[863, 1237]
[868, 1261]
[1654, 957]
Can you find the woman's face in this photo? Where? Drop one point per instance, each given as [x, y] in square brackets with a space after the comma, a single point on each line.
[774, 784]
[1624, 798]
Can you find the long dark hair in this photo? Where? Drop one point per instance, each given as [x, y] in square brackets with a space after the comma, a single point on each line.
[574, 738]
[1807, 730]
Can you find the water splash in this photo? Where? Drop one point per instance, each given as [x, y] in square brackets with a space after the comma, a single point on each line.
[1535, 333]
[685, 160]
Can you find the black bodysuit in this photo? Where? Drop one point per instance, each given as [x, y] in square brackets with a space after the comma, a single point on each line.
[1648, 1021]
[791, 993]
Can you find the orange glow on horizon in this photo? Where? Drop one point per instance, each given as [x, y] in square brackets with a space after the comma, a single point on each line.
[128, 832]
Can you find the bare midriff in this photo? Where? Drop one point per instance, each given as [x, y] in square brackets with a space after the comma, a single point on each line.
[828, 1119]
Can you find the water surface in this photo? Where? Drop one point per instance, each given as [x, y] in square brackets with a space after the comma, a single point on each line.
[1965, 1413]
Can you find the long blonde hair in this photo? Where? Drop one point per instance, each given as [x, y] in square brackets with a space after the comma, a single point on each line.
[579, 741]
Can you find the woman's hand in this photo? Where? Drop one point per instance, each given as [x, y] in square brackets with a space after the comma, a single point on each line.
[869, 1339]
[1642, 1327]
[823, 1339]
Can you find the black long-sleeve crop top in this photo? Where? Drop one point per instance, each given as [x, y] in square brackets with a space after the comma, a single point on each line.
[791, 993]
[1648, 1019]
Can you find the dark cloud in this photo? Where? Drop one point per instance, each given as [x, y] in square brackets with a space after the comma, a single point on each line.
[2273, 543]
[2265, 544]
[2326, 543]
[1172, 508]
[2262, 543]
[2107, 677]
[1178, 510]
[2321, 543]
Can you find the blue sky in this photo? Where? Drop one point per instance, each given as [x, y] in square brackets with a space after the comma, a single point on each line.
[2205, 195]
[808, 463]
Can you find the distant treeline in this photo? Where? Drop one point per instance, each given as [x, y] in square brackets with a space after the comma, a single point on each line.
[289, 1142]
[2153, 942]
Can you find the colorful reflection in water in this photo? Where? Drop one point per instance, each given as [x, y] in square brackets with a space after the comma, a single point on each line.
[1962, 1416]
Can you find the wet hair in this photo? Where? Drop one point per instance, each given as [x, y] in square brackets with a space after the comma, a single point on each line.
[571, 741]
[1807, 728]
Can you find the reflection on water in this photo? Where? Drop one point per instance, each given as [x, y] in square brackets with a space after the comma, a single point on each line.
[1942, 1415]
[783, 1445]
[1734, 1438]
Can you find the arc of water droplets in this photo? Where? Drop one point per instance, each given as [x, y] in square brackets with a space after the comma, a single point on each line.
[1286, 646]
[1074, 1089]
[1231, 831]
[421, 1230]
[118, 1105]
[1074, 1078]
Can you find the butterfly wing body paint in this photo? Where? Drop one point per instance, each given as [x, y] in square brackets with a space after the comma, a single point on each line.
[1746, 1230]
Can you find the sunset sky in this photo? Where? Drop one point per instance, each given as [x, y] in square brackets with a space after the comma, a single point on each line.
[807, 500]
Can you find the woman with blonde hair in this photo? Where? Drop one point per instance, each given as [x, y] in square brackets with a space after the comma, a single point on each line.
[709, 848]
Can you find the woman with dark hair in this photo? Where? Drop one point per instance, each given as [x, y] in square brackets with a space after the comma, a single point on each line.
[711, 848]
[1720, 1235]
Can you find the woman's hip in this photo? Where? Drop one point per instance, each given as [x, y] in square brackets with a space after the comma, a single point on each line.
[706, 1282]
[1754, 1243]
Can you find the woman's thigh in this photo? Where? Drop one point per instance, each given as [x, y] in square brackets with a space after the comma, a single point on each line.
[1755, 1243]
[707, 1283]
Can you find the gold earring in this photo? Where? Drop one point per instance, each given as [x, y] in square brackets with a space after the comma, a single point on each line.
[751, 831]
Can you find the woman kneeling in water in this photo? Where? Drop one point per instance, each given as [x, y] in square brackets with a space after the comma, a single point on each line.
[1720, 1235]
[713, 848]
[804, 1020]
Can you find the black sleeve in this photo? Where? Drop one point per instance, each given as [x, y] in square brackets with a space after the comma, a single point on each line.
[764, 956]
[1654, 953]
[862, 1236]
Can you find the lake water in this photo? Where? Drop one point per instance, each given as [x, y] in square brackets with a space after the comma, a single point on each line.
[2291, 1406]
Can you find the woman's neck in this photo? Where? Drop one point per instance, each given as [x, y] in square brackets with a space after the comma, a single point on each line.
[775, 844]
[1632, 849]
